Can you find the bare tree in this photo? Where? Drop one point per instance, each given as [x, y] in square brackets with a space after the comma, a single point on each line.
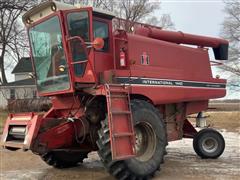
[130, 11]
[139, 11]
[13, 41]
[231, 32]
[163, 21]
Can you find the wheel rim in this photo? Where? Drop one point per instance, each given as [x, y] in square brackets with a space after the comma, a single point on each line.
[209, 145]
[145, 141]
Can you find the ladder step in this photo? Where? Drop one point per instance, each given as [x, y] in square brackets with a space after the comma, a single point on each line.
[14, 144]
[123, 134]
[124, 157]
[117, 96]
[119, 91]
[121, 112]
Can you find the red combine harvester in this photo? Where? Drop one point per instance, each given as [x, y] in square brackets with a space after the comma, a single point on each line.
[125, 95]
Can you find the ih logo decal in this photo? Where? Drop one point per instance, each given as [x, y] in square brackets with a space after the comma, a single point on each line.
[145, 59]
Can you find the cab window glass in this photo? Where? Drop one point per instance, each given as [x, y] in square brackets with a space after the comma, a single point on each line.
[100, 29]
[78, 24]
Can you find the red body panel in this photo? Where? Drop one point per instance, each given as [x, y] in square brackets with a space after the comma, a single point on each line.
[165, 95]
[177, 79]
[171, 62]
[178, 62]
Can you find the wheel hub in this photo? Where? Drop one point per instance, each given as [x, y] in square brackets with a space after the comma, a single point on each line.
[145, 141]
[209, 145]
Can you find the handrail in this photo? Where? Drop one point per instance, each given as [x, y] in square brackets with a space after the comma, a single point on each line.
[86, 61]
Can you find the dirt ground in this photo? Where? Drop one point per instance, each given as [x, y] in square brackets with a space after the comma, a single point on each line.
[181, 162]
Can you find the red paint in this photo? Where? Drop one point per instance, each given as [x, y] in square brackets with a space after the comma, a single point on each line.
[149, 53]
[122, 135]
[32, 123]
[180, 37]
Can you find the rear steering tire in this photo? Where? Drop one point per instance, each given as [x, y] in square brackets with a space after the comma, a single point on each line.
[150, 144]
[63, 159]
[208, 143]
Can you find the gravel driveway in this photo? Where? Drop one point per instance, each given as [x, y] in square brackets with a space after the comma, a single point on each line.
[181, 162]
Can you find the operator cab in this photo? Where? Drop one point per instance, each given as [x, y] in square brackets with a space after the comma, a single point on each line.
[61, 39]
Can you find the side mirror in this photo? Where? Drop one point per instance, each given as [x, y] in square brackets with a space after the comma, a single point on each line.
[98, 43]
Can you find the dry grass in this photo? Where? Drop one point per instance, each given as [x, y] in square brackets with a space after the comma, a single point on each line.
[225, 120]
[229, 120]
[223, 106]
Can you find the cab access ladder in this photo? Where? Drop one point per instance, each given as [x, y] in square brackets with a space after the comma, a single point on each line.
[120, 122]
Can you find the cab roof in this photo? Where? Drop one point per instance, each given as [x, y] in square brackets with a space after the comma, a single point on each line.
[46, 8]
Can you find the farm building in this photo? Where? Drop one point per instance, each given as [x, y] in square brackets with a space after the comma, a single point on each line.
[22, 88]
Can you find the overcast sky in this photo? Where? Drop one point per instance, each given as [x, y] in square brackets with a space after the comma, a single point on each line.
[199, 17]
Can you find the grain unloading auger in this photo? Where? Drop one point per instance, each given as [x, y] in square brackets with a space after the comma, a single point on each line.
[122, 94]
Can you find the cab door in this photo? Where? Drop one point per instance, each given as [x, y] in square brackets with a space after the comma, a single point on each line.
[103, 59]
[79, 33]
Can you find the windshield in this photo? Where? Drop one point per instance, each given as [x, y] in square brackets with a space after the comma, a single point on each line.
[48, 56]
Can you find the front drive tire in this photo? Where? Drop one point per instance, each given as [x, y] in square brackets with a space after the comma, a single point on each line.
[63, 159]
[208, 143]
[151, 141]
